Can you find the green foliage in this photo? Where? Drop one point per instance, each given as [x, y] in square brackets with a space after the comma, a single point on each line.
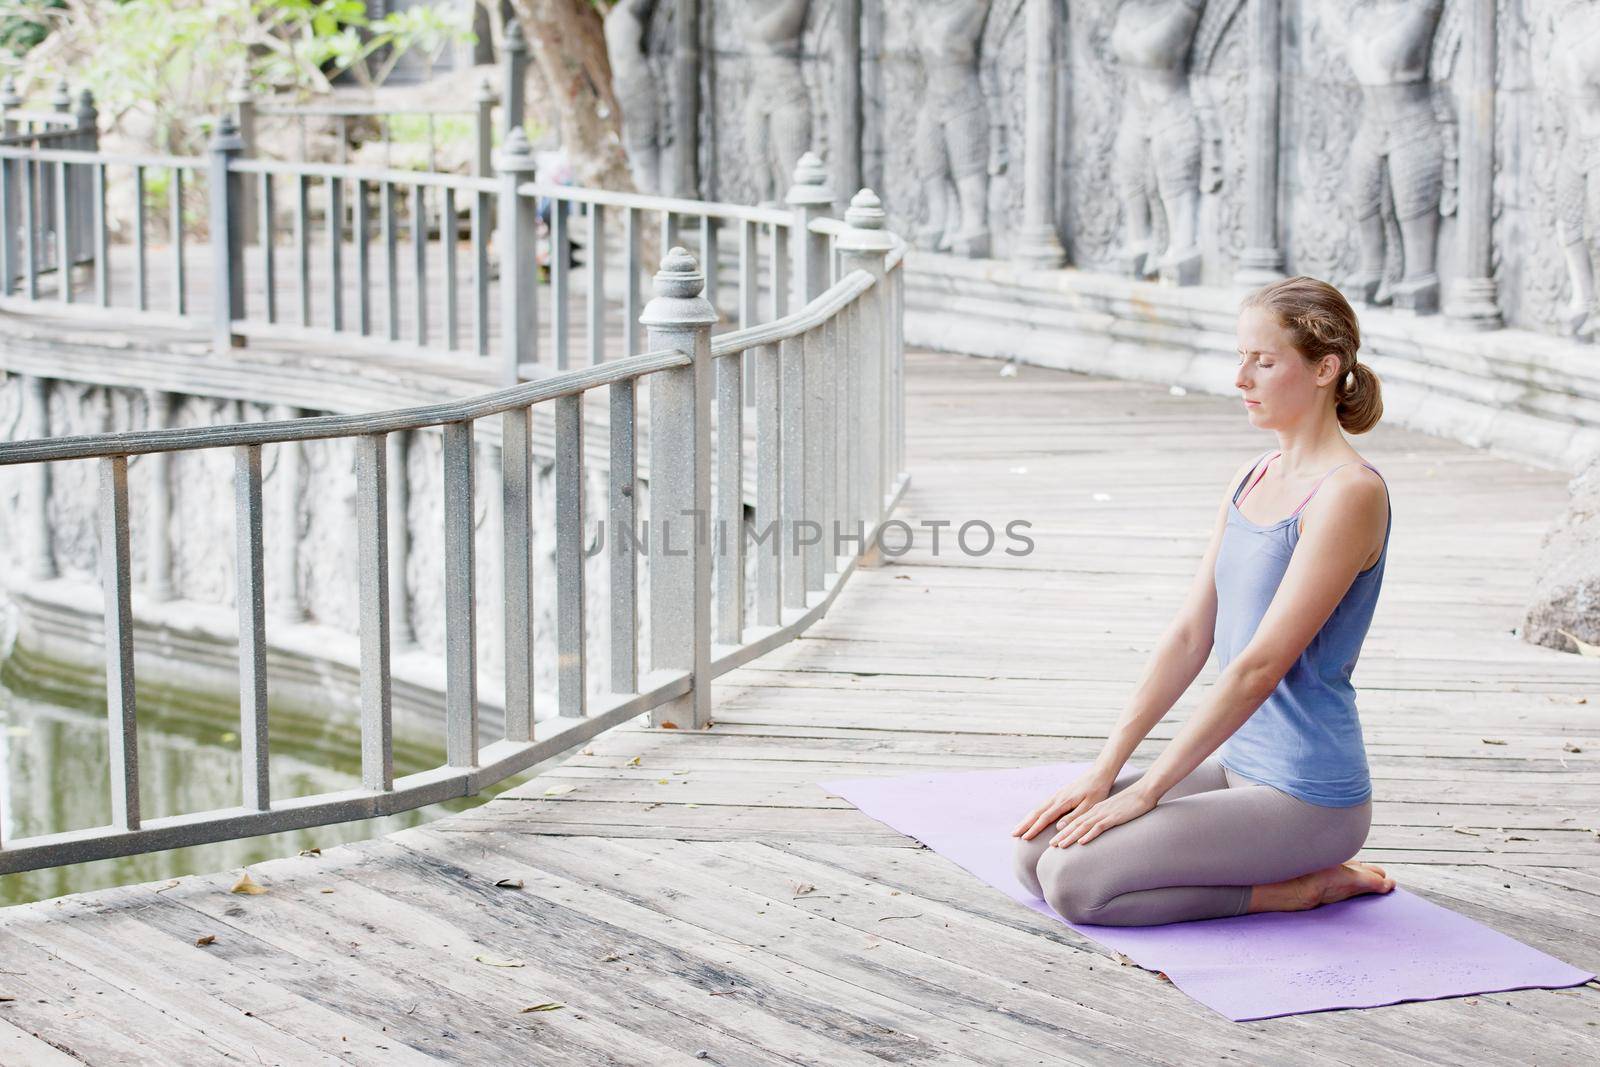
[23, 24]
[173, 63]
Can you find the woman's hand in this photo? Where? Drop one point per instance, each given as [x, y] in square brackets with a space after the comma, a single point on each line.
[1113, 811]
[1081, 794]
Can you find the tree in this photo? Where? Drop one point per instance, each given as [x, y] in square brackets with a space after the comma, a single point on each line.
[566, 46]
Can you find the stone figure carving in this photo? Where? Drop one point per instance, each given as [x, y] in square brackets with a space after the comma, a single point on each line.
[1168, 148]
[1575, 65]
[1401, 142]
[952, 140]
[777, 113]
[636, 90]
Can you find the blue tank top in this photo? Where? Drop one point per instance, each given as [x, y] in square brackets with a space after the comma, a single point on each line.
[1305, 739]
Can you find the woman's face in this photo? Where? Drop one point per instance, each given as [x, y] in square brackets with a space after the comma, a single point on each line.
[1278, 385]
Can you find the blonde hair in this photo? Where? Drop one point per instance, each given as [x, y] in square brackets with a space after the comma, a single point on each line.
[1320, 322]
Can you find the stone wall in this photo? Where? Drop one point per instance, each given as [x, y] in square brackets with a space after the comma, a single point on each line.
[1422, 155]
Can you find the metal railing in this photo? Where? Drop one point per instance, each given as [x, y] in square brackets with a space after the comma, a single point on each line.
[41, 195]
[322, 276]
[825, 394]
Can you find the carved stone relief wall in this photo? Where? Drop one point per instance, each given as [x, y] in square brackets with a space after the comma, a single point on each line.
[1153, 134]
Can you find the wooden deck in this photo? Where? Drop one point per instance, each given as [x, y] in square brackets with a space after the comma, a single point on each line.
[698, 893]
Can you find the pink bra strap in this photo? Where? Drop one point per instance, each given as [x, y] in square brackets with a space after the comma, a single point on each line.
[1324, 478]
[1258, 477]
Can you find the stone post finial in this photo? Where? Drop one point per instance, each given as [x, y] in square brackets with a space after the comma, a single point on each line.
[86, 108]
[226, 134]
[10, 99]
[62, 100]
[485, 93]
[865, 211]
[516, 153]
[679, 286]
[867, 221]
[810, 183]
[516, 40]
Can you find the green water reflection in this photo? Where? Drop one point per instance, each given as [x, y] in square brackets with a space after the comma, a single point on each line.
[54, 774]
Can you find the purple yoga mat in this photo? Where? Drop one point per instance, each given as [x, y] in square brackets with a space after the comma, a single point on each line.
[1359, 953]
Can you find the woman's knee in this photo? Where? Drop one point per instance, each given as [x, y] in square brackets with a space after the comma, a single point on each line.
[1066, 884]
[1025, 860]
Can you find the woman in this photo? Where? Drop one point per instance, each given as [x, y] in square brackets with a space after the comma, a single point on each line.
[1285, 597]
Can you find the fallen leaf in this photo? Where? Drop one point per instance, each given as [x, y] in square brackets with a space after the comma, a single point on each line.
[1584, 647]
[1163, 976]
[1514, 838]
[315, 850]
[634, 762]
[205, 940]
[1492, 741]
[1464, 830]
[1570, 747]
[550, 1006]
[559, 790]
[802, 888]
[609, 957]
[661, 781]
[669, 726]
[327, 890]
[691, 805]
[509, 883]
[587, 752]
[245, 885]
[493, 962]
[6, 999]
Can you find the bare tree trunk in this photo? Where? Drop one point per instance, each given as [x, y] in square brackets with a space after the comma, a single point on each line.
[567, 46]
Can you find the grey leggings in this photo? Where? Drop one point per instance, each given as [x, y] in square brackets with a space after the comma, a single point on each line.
[1195, 855]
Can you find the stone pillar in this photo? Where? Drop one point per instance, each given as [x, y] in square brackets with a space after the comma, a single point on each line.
[1472, 301]
[1037, 243]
[1262, 259]
[810, 198]
[685, 181]
[514, 70]
[865, 246]
[681, 317]
[515, 242]
[847, 119]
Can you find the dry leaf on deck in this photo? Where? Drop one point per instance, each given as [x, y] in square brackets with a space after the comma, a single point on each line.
[1570, 747]
[1492, 741]
[494, 962]
[559, 790]
[551, 1006]
[509, 883]
[206, 939]
[315, 850]
[245, 885]
[802, 888]
[1584, 647]
[634, 762]
[1464, 830]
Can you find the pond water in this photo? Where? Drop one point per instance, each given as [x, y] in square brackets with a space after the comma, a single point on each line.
[54, 774]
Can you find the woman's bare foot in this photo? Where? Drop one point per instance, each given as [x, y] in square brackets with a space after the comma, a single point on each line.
[1327, 886]
[1333, 884]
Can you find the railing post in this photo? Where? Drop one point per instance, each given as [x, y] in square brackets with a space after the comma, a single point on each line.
[483, 130]
[680, 488]
[227, 243]
[244, 111]
[10, 190]
[519, 278]
[81, 236]
[864, 246]
[514, 69]
[811, 198]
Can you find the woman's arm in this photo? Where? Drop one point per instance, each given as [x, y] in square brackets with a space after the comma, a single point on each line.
[1343, 524]
[1179, 656]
